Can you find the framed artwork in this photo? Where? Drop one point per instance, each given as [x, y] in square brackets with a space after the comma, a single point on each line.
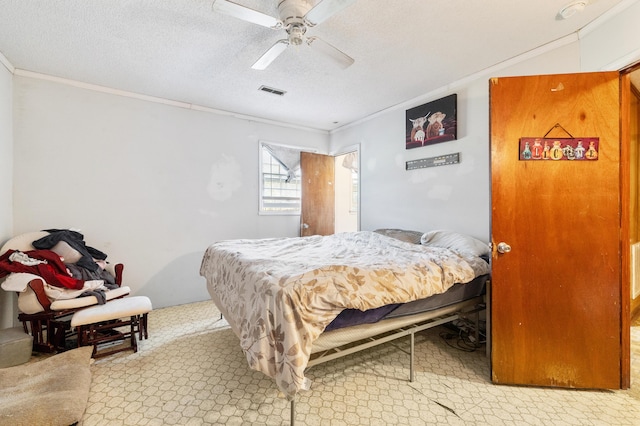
[431, 123]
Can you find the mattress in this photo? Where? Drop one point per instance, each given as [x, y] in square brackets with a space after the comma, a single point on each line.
[345, 336]
[457, 293]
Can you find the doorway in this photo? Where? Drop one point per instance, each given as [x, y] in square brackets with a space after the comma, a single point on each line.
[330, 192]
[347, 193]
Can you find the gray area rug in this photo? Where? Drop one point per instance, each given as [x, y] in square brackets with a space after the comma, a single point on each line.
[52, 392]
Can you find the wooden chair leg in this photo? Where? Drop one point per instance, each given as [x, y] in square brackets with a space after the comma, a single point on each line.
[41, 331]
[142, 329]
[140, 326]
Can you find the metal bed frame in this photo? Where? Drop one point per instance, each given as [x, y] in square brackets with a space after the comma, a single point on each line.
[392, 329]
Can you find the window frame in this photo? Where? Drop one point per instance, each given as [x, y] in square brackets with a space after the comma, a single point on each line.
[261, 188]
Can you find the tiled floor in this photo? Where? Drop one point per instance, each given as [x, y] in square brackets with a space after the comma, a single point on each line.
[191, 371]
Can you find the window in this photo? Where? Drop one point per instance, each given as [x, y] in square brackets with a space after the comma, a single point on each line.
[280, 187]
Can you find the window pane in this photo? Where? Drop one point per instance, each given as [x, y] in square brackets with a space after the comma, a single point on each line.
[280, 192]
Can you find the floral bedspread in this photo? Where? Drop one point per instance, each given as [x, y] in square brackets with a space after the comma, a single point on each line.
[279, 294]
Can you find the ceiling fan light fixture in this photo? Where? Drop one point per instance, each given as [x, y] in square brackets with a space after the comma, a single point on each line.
[296, 34]
[572, 8]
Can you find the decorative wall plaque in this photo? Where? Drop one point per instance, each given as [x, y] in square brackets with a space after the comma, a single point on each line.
[555, 149]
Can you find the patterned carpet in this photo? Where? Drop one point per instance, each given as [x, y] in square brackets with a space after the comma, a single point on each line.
[191, 371]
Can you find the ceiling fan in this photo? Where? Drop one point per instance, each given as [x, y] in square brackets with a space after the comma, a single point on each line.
[295, 17]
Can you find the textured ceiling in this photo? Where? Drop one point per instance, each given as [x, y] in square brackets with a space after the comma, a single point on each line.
[184, 51]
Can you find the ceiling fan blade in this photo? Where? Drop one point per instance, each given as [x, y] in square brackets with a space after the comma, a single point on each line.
[324, 10]
[271, 54]
[246, 14]
[341, 58]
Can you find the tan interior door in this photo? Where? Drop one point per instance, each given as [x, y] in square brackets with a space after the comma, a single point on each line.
[318, 194]
[556, 296]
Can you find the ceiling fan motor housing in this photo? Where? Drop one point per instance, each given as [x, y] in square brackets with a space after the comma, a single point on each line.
[292, 14]
[293, 9]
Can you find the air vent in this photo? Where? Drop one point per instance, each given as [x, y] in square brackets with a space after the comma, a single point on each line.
[272, 90]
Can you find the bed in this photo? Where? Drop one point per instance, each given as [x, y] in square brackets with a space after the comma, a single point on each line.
[279, 295]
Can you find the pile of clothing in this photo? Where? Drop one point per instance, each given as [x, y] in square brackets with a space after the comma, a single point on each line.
[63, 260]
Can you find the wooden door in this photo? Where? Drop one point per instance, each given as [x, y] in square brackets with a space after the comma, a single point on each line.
[318, 194]
[556, 297]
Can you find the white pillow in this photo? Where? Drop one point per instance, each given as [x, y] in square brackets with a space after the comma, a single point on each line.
[68, 253]
[412, 237]
[455, 241]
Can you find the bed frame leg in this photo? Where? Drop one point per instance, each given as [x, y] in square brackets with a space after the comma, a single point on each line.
[411, 357]
[293, 412]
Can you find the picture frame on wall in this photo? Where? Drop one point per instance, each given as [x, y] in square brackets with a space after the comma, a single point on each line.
[431, 123]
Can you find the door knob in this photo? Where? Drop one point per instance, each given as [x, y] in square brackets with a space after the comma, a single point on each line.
[305, 226]
[504, 248]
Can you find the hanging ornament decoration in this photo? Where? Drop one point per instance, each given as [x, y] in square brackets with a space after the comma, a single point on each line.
[556, 149]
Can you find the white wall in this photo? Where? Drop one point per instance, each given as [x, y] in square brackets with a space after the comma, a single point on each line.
[613, 43]
[453, 197]
[7, 301]
[150, 184]
[457, 196]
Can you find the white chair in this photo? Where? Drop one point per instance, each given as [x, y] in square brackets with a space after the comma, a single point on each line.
[45, 310]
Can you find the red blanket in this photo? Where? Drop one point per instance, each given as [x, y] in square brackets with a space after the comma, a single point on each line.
[54, 272]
